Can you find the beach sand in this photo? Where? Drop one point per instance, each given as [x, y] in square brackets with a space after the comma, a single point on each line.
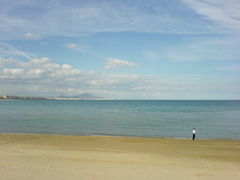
[50, 157]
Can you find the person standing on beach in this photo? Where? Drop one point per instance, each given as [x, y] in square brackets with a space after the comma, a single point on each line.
[193, 134]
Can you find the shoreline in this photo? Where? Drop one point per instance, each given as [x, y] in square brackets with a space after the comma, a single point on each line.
[122, 136]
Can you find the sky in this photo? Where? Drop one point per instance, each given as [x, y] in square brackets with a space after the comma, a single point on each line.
[128, 49]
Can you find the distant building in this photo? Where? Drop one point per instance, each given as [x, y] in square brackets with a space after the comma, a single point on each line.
[3, 97]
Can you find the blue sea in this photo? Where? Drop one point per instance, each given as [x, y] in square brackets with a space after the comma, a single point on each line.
[134, 118]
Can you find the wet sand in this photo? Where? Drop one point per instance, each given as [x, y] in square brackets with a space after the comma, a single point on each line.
[50, 157]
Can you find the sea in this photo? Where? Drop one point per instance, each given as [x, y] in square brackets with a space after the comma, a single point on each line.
[212, 119]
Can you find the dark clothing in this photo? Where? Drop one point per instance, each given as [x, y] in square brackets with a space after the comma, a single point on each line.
[193, 137]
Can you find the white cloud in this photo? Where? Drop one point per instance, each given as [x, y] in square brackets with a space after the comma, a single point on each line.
[40, 60]
[35, 72]
[80, 47]
[71, 46]
[114, 63]
[13, 72]
[66, 66]
[42, 77]
[32, 36]
[4, 62]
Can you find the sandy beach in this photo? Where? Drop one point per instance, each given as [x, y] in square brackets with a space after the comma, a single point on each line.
[49, 157]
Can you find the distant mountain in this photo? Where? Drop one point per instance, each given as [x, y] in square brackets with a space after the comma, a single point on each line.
[85, 95]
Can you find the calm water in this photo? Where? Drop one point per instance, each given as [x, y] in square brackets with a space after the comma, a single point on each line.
[212, 119]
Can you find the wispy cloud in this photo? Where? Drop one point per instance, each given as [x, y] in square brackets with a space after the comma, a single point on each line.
[32, 36]
[7, 50]
[230, 68]
[77, 47]
[226, 13]
[114, 63]
[216, 48]
[151, 55]
[58, 18]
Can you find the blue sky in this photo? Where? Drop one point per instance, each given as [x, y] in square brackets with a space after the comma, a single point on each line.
[138, 49]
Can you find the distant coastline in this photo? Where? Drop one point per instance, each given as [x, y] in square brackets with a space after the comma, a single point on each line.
[92, 97]
[7, 97]
[84, 97]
